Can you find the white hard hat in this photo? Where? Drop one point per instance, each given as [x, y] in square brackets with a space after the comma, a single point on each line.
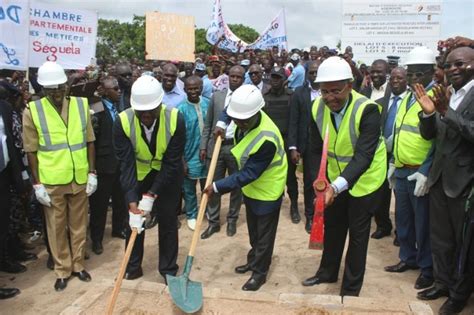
[51, 74]
[147, 93]
[245, 102]
[420, 55]
[333, 69]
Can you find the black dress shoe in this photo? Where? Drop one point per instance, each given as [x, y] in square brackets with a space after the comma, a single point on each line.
[242, 269]
[6, 293]
[308, 225]
[132, 275]
[11, 266]
[295, 214]
[97, 248]
[50, 263]
[83, 275]
[432, 293]
[423, 282]
[120, 234]
[254, 283]
[400, 267]
[378, 234]
[231, 229]
[211, 229]
[60, 284]
[452, 306]
[21, 255]
[315, 280]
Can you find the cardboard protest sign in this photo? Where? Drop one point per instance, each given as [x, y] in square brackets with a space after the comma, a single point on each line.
[169, 37]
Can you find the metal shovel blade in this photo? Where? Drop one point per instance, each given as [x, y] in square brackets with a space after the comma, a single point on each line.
[186, 294]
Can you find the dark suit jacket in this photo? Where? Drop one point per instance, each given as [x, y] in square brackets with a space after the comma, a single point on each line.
[300, 117]
[105, 160]
[454, 141]
[216, 106]
[384, 102]
[365, 148]
[15, 166]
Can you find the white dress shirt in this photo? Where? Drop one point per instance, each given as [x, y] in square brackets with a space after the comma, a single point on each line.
[229, 129]
[378, 93]
[458, 96]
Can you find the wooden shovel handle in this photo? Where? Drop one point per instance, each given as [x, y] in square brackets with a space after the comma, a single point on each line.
[123, 266]
[204, 197]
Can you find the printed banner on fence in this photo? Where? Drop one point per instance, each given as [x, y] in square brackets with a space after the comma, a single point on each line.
[14, 16]
[67, 36]
[219, 28]
[169, 36]
[274, 35]
[376, 28]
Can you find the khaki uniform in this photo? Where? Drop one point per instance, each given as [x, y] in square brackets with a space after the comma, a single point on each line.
[66, 219]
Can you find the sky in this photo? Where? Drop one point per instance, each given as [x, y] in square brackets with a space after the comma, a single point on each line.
[308, 22]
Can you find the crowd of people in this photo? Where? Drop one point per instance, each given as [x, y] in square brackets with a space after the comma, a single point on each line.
[138, 137]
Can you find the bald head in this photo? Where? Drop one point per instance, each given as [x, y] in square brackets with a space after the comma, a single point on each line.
[398, 80]
[170, 74]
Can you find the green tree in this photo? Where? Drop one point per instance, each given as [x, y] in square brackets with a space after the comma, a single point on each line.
[117, 40]
[201, 44]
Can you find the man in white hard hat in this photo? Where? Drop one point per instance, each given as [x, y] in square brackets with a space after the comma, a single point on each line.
[408, 173]
[149, 141]
[356, 171]
[59, 141]
[260, 154]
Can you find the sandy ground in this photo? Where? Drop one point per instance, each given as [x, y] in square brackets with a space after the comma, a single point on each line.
[214, 266]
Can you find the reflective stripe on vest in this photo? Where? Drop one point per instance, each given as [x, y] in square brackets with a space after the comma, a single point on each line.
[270, 185]
[62, 149]
[410, 148]
[145, 160]
[342, 144]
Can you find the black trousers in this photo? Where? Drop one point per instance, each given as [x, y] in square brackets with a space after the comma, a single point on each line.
[447, 217]
[108, 185]
[262, 232]
[5, 203]
[165, 208]
[347, 214]
[291, 181]
[382, 211]
[309, 175]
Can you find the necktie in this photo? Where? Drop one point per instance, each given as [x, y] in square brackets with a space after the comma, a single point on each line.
[392, 113]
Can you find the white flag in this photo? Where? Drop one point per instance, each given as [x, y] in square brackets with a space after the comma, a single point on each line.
[218, 27]
[274, 35]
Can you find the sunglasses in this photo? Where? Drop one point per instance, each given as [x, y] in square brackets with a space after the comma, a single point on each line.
[417, 74]
[457, 64]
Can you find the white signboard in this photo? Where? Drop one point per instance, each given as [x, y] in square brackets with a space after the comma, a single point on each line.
[376, 28]
[67, 36]
[14, 34]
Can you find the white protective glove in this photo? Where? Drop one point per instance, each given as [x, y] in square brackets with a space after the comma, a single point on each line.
[136, 221]
[391, 176]
[421, 186]
[91, 184]
[146, 204]
[42, 195]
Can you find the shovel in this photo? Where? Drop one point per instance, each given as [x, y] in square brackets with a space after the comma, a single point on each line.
[320, 185]
[187, 294]
[123, 266]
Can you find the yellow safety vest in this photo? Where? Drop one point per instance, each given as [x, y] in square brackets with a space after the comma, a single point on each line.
[145, 160]
[62, 151]
[342, 144]
[271, 183]
[410, 148]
